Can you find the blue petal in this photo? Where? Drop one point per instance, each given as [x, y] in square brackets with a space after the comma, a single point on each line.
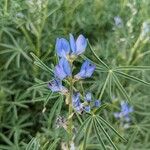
[59, 72]
[81, 44]
[62, 47]
[90, 70]
[66, 67]
[56, 86]
[87, 108]
[84, 65]
[97, 103]
[86, 70]
[63, 69]
[72, 44]
[76, 98]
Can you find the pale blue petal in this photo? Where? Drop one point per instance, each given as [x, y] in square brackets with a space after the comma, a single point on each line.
[62, 47]
[81, 44]
[72, 44]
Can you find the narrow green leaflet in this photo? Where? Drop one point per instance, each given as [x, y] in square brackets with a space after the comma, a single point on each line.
[121, 88]
[104, 86]
[97, 131]
[97, 56]
[108, 125]
[106, 134]
[136, 68]
[53, 145]
[87, 132]
[132, 78]
[132, 138]
[40, 64]
[82, 127]
[33, 145]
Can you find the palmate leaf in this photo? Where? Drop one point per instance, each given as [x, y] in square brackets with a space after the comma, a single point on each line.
[40, 64]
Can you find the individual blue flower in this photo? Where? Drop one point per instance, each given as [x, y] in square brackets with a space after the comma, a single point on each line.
[76, 102]
[78, 46]
[62, 47]
[63, 69]
[88, 97]
[124, 113]
[87, 108]
[97, 103]
[86, 70]
[56, 86]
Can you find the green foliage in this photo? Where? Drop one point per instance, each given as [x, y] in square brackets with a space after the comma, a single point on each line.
[28, 109]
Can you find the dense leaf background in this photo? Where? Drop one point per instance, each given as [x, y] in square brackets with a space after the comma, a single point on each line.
[28, 30]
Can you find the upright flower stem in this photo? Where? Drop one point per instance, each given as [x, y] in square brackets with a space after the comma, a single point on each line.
[70, 110]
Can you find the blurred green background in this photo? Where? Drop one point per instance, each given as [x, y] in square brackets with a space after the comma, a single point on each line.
[27, 107]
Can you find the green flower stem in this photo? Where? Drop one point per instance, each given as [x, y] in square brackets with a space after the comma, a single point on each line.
[70, 121]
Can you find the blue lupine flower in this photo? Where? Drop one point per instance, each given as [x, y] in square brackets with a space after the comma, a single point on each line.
[62, 47]
[56, 86]
[87, 108]
[86, 70]
[63, 69]
[88, 97]
[97, 103]
[118, 21]
[76, 102]
[124, 113]
[78, 46]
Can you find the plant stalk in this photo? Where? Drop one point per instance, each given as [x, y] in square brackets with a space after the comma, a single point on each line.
[70, 123]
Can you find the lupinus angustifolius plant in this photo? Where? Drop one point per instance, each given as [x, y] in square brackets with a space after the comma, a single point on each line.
[68, 52]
